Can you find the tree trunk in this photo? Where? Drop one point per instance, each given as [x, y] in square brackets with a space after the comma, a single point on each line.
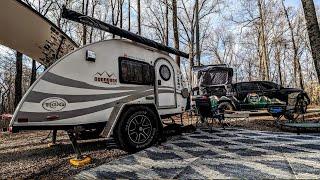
[129, 15]
[175, 28]
[278, 59]
[33, 72]
[167, 23]
[139, 17]
[18, 79]
[197, 32]
[121, 13]
[313, 32]
[94, 4]
[191, 54]
[296, 63]
[85, 5]
[264, 67]
[114, 22]
[191, 47]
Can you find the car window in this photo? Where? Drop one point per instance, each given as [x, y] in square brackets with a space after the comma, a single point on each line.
[248, 87]
[267, 86]
[215, 77]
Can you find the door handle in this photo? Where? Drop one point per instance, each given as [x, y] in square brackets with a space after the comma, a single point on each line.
[159, 82]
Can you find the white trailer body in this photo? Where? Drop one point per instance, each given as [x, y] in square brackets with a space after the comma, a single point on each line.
[115, 87]
[76, 91]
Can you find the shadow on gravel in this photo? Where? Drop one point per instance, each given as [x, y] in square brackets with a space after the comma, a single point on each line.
[58, 150]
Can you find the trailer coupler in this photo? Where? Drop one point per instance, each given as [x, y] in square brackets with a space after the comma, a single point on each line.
[79, 160]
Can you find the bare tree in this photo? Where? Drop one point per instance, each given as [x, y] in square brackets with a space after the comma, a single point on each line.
[18, 79]
[187, 21]
[197, 32]
[175, 28]
[85, 6]
[139, 16]
[313, 31]
[296, 62]
[129, 15]
[166, 39]
[94, 3]
[264, 59]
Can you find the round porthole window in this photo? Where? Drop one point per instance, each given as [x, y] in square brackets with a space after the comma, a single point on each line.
[165, 72]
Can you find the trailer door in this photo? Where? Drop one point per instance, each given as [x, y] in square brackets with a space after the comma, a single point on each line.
[165, 84]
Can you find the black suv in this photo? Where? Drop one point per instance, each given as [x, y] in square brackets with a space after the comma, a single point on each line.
[217, 81]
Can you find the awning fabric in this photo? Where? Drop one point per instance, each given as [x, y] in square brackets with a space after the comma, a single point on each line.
[27, 31]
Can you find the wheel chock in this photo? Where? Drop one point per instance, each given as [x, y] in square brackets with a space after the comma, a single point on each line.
[76, 162]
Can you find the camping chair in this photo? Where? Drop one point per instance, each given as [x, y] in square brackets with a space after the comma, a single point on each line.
[292, 111]
[207, 108]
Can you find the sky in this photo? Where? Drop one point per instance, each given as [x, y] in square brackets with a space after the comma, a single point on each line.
[294, 3]
[298, 2]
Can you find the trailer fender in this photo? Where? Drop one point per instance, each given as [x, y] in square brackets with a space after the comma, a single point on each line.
[116, 113]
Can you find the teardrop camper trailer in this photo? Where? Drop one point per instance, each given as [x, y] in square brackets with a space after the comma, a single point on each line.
[116, 88]
[106, 84]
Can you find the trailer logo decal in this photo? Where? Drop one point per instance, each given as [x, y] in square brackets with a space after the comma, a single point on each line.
[54, 104]
[105, 77]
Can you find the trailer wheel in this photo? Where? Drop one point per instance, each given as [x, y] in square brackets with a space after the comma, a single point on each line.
[137, 129]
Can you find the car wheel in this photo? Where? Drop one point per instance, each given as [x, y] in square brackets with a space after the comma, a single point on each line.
[301, 108]
[137, 129]
[225, 106]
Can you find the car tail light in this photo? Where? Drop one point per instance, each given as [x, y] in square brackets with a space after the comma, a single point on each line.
[204, 97]
[10, 129]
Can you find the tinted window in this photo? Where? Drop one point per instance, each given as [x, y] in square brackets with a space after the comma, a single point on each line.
[268, 86]
[248, 87]
[210, 78]
[135, 72]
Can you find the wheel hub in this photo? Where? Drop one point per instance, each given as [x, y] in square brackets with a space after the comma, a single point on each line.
[140, 129]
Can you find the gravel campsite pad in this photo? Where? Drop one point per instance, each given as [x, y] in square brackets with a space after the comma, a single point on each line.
[27, 155]
[230, 153]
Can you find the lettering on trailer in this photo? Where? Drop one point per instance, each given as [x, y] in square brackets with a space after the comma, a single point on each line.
[54, 104]
[105, 77]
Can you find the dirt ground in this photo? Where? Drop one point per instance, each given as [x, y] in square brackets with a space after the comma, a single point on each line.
[26, 155]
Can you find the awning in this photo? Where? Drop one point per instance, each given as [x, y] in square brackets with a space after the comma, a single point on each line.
[25, 30]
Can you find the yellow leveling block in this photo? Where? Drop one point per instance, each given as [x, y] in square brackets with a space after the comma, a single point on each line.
[80, 162]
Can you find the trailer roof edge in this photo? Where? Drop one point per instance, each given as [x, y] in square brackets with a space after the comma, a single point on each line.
[89, 21]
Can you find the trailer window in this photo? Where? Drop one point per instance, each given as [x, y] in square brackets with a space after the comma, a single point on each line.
[135, 72]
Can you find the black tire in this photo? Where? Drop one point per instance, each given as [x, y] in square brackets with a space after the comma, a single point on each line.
[301, 108]
[137, 129]
[90, 133]
[225, 106]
